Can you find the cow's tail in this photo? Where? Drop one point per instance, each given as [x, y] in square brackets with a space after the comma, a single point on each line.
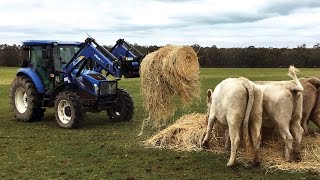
[250, 90]
[293, 74]
[296, 92]
[297, 107]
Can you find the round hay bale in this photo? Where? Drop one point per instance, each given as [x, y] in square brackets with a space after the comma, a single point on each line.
[157, 98]
[171, 71]
[181, 71]
[188, 131]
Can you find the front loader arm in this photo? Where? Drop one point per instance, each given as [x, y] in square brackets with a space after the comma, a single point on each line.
[130, 58]
[91, 50]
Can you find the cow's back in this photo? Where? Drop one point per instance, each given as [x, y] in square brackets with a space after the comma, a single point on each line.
[230, 100]
[277, 103]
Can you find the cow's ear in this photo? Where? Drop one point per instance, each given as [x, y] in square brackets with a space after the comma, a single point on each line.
[209, 92]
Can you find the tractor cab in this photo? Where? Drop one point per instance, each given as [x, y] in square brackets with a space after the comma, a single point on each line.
[47, 58]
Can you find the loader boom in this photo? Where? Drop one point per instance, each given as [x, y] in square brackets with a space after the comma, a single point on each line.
[91, 50]
[120, 61]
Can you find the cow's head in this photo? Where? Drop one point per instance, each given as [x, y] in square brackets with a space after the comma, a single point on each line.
[209, 101]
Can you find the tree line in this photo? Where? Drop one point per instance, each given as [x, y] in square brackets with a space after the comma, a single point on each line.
[250, 57]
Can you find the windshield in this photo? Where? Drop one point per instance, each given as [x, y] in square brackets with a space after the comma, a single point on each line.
[63, 54]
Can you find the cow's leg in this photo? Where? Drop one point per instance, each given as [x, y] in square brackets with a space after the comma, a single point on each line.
[255, 130]
[316, 119]
[211, 121]
[296, 129]
[297, 132]
[227, 138]
[256, 124]
[234, 133]
[304, 123]
[288, 140]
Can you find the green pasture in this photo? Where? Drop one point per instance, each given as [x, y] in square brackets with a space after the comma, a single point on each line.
[101, 149]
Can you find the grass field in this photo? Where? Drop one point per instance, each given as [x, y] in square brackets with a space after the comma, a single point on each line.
[105, 150]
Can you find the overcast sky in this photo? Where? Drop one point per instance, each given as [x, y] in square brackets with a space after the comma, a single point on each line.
[224, 23]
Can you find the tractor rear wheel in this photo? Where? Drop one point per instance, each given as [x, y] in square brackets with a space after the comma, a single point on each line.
[68, 111]
[25, 100]
[122, 110]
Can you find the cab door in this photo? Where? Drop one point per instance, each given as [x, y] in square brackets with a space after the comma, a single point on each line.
[41, 60]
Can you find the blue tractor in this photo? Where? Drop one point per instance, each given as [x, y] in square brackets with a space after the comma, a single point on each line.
[72, 78]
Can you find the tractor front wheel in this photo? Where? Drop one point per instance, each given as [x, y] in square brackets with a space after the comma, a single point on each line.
[122, 110]
[25, 100]
[67, 108]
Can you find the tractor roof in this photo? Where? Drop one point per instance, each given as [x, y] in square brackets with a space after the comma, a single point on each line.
[49, 42]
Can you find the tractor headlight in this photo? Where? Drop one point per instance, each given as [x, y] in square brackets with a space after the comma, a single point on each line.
[113, 87]
[129, 58]
[108, 88]
[96, 88]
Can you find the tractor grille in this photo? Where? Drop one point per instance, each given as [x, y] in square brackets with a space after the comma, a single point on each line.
[108, 87]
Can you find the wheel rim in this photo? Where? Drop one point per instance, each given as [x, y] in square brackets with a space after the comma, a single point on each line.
[117, 109]
[21, 100]
[114, 113]
[64, 111]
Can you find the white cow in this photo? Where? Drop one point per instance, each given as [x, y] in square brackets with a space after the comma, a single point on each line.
[233, 102]
[282, 108]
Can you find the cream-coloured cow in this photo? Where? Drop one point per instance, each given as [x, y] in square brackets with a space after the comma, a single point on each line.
[282, 108]
[236, 103]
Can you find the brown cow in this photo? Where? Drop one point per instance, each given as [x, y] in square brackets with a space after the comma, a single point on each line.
[311, 102]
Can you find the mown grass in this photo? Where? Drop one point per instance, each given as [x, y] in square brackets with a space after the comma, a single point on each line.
[105, 150]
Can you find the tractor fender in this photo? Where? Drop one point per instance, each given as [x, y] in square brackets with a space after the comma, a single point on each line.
[58, 89]
[34, 77]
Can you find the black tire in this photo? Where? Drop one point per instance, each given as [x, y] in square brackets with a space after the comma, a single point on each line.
[25, 100]
[122, 110]
[68, 111]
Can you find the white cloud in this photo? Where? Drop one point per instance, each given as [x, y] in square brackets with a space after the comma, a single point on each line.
[227, 23]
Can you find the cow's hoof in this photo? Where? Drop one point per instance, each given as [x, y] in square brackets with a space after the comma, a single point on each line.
[205, 144]
[231, 164]
[256, 163]
[297, 157]
[287, 158]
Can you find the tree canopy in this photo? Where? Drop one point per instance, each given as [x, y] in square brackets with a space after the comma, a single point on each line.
[250, 57]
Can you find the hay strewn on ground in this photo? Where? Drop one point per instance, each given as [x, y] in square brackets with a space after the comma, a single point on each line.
[187, 132]
[170, 72]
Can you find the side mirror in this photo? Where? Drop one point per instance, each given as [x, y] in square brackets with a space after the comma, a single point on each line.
[25, 63]
[26, 48]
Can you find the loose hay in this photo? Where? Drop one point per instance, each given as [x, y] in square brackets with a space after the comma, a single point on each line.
[171, 71]
[186, 134]
[188, 131]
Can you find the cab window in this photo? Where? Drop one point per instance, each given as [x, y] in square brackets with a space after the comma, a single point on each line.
[36, 57]
[63, 54]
